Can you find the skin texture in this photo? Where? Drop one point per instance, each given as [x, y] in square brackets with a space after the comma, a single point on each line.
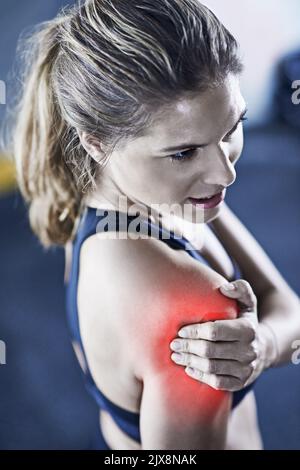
[220, 335]
[177, 412]
[139, 170]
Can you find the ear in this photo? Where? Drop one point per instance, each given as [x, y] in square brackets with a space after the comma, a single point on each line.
[92, 145]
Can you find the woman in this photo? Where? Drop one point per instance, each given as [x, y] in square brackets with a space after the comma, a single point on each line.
[141, 100]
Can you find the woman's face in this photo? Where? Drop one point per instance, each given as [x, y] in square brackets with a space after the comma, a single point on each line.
[190, 151]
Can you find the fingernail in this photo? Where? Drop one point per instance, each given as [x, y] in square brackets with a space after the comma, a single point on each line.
[176, 357]
[183, 333]
[175, 345]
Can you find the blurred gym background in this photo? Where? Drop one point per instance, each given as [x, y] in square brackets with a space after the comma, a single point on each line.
[43, 403]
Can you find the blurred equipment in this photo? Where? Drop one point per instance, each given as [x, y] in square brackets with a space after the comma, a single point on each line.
[7, 174]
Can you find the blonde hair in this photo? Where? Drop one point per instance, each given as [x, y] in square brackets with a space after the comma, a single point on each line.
[103, 67]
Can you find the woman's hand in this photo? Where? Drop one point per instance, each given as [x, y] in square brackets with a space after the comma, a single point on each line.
[225, 354]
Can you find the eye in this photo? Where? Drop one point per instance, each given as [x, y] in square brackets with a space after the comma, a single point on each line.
[230, 134]
[183, 156]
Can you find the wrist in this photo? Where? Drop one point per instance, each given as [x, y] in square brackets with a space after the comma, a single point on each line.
[268, 345]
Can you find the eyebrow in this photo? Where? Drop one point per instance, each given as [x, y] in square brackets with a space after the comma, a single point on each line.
[185, 145]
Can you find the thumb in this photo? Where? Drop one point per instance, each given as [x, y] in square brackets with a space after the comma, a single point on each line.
[242, 291]
[229, 289]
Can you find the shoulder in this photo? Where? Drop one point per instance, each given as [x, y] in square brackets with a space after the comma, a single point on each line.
[143, 266]
[149, 291]
[110, 256]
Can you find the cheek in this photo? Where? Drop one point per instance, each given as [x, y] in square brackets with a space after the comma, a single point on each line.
[174, 181]
[164, 181]
[130, 175]
[237, 147]
[154, 182]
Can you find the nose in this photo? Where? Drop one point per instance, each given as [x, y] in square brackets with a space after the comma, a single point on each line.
[220, 170]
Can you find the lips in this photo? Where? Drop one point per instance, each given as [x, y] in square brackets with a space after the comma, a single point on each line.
[205, 198]
[209, 202]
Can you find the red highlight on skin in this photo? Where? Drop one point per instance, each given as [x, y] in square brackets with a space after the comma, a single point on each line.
[184, 304]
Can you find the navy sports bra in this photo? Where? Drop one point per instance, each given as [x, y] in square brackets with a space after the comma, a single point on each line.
[91, 222]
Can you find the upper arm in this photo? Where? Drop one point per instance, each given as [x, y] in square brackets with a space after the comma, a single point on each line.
[177, 412]
[163, 294]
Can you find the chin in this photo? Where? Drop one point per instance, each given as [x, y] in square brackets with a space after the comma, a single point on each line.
[197, 215]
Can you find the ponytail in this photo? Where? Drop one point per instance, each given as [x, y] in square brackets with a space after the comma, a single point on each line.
[40, 144]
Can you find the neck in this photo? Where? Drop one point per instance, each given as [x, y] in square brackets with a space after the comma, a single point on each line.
[194, 233]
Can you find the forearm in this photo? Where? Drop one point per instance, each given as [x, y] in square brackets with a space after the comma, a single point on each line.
[279, 325]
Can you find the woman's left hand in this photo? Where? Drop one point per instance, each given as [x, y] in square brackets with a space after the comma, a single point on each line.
[224, 354]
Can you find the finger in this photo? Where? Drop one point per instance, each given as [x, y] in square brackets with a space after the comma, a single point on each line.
[218, 382]
[221, 330]
[216, 366]
[218, 350]
[241, 291]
